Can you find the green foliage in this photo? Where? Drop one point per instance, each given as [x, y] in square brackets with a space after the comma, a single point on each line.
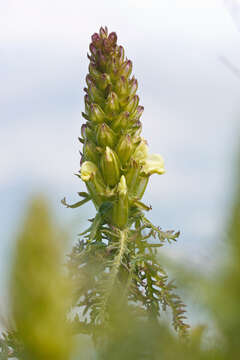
[227, 294]
[11, 346]
[124, 262]
[39, 291]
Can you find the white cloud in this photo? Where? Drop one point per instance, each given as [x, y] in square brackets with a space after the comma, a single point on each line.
[44, 151]
[71, 22]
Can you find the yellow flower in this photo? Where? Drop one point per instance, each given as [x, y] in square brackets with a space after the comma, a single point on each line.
[141, 151]
[153, 164]
[88, 170]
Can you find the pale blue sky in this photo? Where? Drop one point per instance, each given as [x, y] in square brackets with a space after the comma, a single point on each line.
[191, 102]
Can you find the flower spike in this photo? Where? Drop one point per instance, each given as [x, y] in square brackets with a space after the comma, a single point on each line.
[116, 167]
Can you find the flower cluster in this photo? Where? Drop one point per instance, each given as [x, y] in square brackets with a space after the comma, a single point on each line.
[115, 162]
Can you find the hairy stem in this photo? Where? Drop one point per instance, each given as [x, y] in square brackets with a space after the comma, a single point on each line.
[117, 261]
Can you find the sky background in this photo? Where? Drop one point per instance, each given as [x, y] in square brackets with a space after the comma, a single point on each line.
[186, 56]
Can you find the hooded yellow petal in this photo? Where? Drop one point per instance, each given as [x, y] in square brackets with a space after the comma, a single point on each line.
[141, 152]
[88, 170]
[154, 164]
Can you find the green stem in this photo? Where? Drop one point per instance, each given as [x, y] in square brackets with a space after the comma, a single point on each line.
[114, 271]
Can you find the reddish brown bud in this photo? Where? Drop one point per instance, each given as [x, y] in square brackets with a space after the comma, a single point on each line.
[89, 80]
[121, 54]
[103, 32]
[133, 103]
[137, 113]
[95, 38]
[126, 68]
[112, 103]
[106, 43]
[112, 37]
[93, 49]
[133, 86]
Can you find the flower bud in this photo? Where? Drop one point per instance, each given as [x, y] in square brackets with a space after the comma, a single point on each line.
[103, 32]
[93, 49]
[103, 81]
[90, 172]
[126, 68]
[133, 103]
[90, 152]
[90, 135]
[121, 86]
[110, 167]
[105, 136]
[112, 69]
[93, 71]
[122, 186]
[121, 54]
[132, 175]
[94, 93]
[96, 40]
[95, 37]
[120, 208]
[107, 46]
[133, 86]
[112, 103]
[101, 60]
[125, 148]
[121, 122]
[112, 37]
[136, 129]
[96, 114]
[137, 113]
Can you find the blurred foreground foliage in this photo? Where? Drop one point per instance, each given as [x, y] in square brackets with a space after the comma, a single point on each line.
[44, 326]
[39, 291]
